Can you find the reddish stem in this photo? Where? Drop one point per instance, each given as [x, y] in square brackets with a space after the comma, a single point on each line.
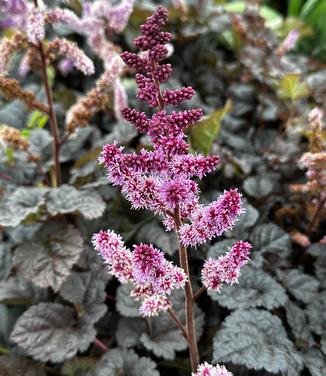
[177, 321]
[189, 303]
[200, 291]
[100, 345]
[52, 116]
[315, 217]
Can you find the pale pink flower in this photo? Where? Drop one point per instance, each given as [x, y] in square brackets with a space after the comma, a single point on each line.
[71, 51]
[120, 99]
[206, 369]
[212, 220]
[153, 305]
[35, 25]
[225, 269]
[315, 117]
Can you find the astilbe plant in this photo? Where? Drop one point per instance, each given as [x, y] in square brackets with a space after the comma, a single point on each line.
[30, 20]
[162, 180]
[314, 188]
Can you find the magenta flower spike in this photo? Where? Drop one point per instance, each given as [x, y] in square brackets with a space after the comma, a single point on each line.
[163, 180]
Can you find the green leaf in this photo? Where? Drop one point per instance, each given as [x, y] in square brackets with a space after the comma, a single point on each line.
[25, 133]
[67, 199]
[203, 134]
[124, 362]
[47, 262]
[220, 248]
[257, 340]
[245, 222]
[294, 7]
[52, 332]
[255, 289]
[272, 17]
[129, 332]
[37, 120]
[11, 365]
[10, 154]
[290, 87]
[319, 251]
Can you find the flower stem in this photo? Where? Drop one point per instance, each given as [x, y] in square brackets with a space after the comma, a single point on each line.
[200, 291]
[315, 217]
[175, 318]
[52, 117]
[189, 303]
[99, 344]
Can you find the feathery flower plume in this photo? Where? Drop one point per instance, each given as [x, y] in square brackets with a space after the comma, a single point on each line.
[153, 305]
[66, 17]
[117, 16]
[289, 42]
[14, 12]
[161, 180]
[146, 268]
[13, 138]
[35, 24]
[315, 159]
[119, 98]
[70, 50]
[212, 220]
[12, 90]
[206, 369]
[96, 99]
[225, 269]
[8, 47]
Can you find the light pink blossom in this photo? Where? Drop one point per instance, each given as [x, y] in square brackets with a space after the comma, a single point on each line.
[35, 25]
[153, 305]
[206, 369]
[225, 269]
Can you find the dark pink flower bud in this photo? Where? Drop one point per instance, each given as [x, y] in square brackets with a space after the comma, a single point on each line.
[138, 119]
[133, 60]
[175, 97]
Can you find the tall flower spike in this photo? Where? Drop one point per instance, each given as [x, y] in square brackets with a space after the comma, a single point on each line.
[161, 180]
